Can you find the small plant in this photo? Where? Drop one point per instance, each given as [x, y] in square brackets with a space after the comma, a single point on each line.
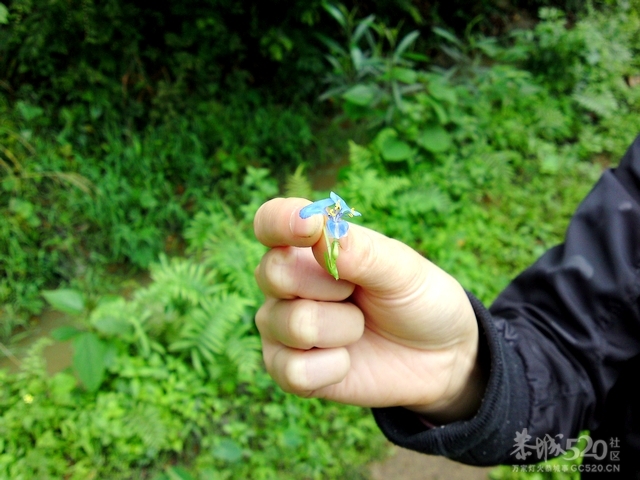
[175, 375]
[372, 73]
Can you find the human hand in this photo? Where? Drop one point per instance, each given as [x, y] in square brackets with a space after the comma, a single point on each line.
[395, 330]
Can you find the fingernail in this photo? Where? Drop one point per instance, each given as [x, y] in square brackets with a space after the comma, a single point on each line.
[304, 227]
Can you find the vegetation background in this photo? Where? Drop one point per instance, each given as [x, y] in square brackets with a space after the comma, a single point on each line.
[138, 142]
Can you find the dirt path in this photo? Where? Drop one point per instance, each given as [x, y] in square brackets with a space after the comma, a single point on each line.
[408, 465]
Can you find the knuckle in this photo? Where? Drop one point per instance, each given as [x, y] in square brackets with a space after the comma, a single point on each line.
[303, 324]
[262, 319]
[279, 266]
[295, 378]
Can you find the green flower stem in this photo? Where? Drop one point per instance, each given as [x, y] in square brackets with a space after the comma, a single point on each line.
[331, 255]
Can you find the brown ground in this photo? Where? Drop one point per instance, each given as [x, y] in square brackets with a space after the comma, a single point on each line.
[408, 465]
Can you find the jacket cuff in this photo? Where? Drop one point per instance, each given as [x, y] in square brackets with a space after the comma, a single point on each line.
[483, 439]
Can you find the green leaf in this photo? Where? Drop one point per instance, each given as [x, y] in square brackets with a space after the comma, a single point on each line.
[440, 112]
[361, 29]
[89, 360]
[405, 43]
[550, 164]
[391, 147]
[65, 333]
[62, 384]
[26, 210]
[441, 91]
[4, 14]
[65, 300]
[291, 438]
[112, 325]
[227, 450]
[435, 139]
[417, 57]
[178, 473]
[404, 75]
[335, 13]
[447, 35]
[362, 95]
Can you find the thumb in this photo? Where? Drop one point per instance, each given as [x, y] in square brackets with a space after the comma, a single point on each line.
[377, 262]
[399, 287]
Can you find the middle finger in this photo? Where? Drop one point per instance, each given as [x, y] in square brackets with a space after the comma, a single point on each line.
[306, 324]
[290, 272]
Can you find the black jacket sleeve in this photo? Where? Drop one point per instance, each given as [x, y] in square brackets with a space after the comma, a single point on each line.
[560, 339]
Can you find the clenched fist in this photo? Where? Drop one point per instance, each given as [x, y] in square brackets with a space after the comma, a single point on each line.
[395, 330]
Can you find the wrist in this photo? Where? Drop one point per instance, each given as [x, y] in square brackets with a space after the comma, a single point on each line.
[462, 399]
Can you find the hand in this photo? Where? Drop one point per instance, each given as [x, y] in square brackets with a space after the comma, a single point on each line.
[395, 330]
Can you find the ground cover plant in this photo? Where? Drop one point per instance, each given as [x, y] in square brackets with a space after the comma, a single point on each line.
[174, 376]
[477, 161]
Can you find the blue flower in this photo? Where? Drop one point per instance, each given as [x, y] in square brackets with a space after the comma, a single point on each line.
[333, 208]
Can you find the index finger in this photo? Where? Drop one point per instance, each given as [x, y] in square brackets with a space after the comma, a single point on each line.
[277, 223]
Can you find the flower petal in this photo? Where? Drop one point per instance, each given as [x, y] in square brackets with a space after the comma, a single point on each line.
[316, 207]
[336, 228]
[338, 199]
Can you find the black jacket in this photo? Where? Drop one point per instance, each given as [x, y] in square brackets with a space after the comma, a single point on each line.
[563, 346]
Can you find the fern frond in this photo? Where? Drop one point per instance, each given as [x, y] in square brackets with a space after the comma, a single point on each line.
[235, 259]
[603, 104]
[145, 422]
[244, 353]
[369, 191]
[181, 279]
[207, 329]
[298, 185]
[500, 164]
[423, 200]
[205, 224]
[360, 157]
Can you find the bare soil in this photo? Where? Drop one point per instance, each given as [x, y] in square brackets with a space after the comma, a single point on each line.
[409, 465]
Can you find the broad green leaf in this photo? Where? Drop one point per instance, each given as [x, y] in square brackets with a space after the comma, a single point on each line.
[291, 438]
[227, 450]
[62, 384]
[65, 300]
[441, 91]
[65, 333]
[4, 14]
[391, 147]
[89, 360]
[404, 75]
[178, 473]
[550, 164]
[112, 325]
[394, 150]
[435, 139]
[362, 95]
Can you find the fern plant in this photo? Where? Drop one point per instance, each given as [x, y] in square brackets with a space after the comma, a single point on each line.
[199, 308]
[206, 331]
[297, 184]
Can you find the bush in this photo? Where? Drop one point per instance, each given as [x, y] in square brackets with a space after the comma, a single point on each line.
[174, 376]
[72, 205]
